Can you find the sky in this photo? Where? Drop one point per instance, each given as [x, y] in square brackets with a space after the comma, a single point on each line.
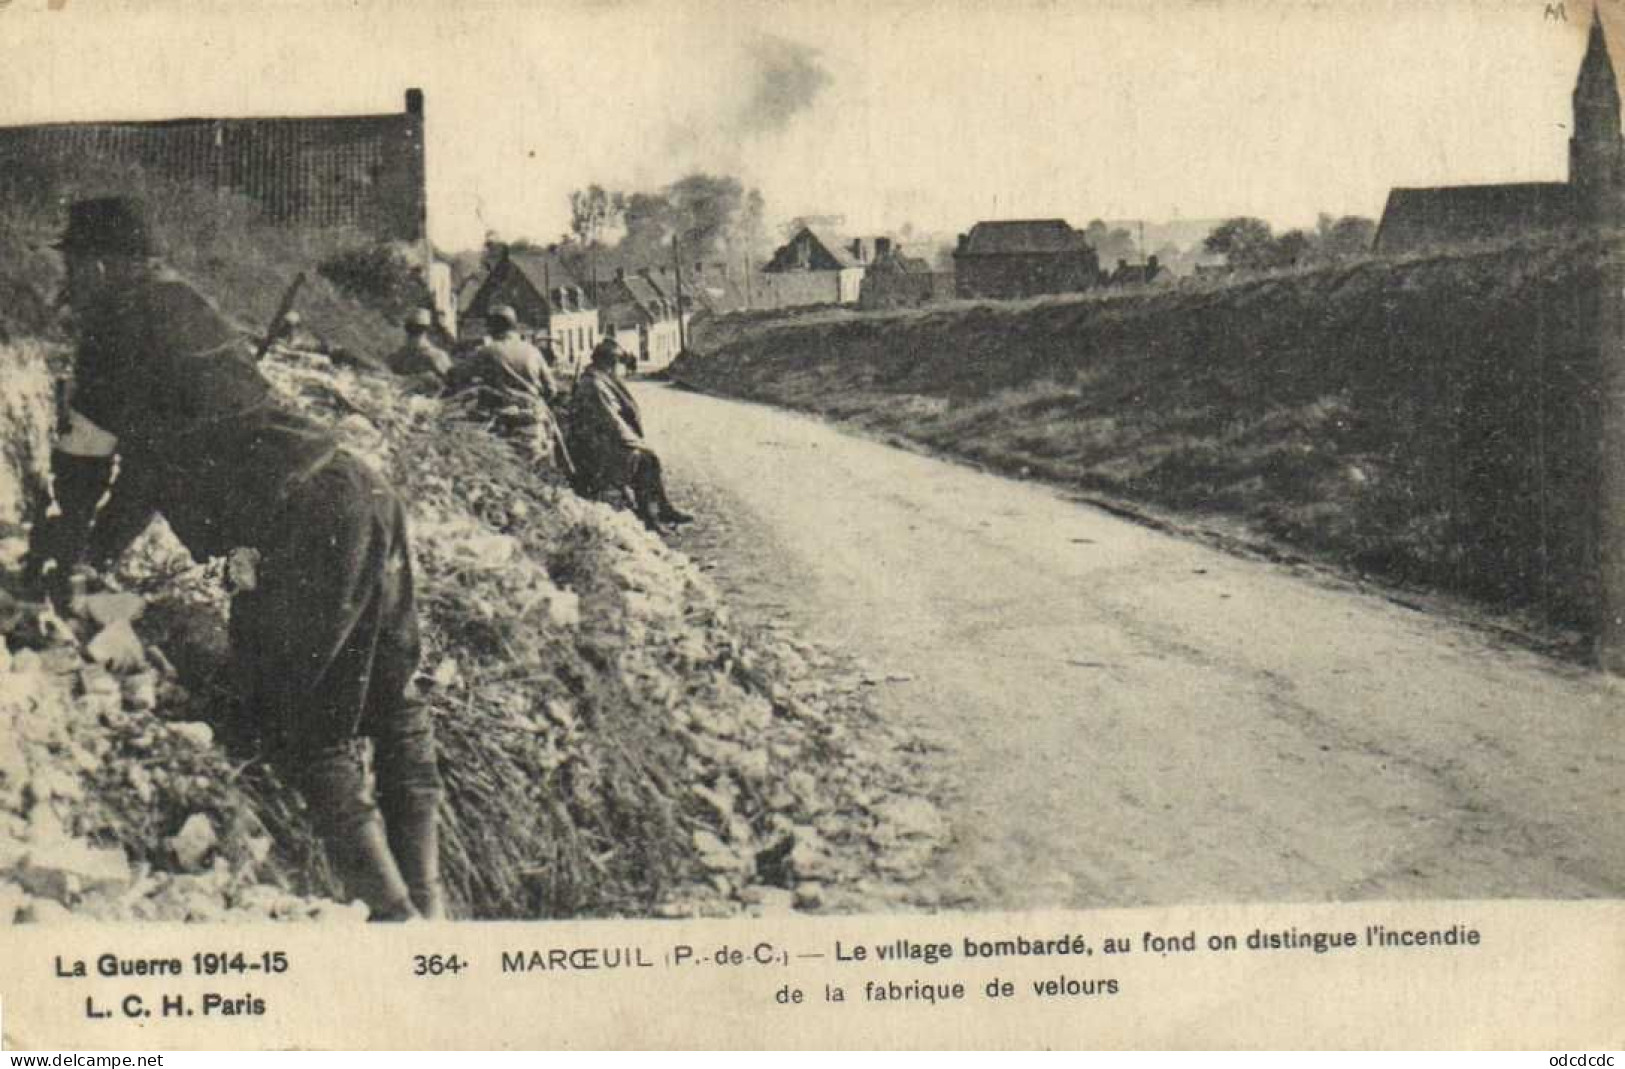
[886, 112]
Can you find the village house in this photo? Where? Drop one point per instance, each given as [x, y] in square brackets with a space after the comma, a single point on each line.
[362, 171]
[894, 279]
[717, 288]
[1011, 258]
[366, 172]
[1128, 274]
[550, 302]
[1417, 218]
[813, 269]
[641, 317]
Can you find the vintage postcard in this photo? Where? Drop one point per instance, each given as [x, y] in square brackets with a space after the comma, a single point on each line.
[904, 524]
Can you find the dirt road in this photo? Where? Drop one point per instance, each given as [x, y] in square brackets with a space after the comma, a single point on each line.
[1129, 718]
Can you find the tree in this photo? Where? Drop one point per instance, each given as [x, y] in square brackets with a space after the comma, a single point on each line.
[750, 231]
[1110, 243]
[1291, 249]
[1345, 239]
[1246, 243]
[830, 223]
[593, 211]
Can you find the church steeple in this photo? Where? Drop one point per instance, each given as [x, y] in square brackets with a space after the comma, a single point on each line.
[1597, 150]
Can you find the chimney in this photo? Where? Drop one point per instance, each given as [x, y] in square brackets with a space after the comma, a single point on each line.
[882, 248]
[620, 274]
[414, 102]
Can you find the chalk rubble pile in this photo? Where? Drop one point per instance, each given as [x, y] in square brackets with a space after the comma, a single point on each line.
[771, 783]
[614, 742]
[108, 810]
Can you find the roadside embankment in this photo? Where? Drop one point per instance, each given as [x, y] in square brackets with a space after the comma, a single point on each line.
[1430, 421]
[614, 742]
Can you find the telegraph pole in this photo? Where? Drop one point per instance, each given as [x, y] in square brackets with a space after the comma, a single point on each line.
[677, 263]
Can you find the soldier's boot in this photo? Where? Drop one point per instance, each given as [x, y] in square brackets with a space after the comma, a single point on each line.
[650, 518]
[59, 542]
[409, 792]
[645, 506]
[670, 513]
[414, 838]
[346, 815]
[365, 864]
[650, 486]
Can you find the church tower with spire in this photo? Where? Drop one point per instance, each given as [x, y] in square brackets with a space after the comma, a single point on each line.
[1597, 149]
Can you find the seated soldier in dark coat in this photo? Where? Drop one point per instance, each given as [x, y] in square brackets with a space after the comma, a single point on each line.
[607, 443]
[326, 634]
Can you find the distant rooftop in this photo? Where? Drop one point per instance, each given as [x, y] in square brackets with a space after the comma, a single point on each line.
[1007, 236]
[1417, 217]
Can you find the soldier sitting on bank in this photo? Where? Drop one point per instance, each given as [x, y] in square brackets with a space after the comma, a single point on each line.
[508, 385]
[607, 443]
[419, 358]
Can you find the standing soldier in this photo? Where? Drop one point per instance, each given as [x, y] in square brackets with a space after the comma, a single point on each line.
[324, 628]
[419, 356]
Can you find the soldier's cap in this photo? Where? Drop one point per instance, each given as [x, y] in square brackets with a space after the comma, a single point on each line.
[113, 226]
[419, 319]
[505, 313]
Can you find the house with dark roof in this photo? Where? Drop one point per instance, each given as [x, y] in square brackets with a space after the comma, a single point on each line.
[362, 171]
[1143, 274]
[812, 268]
[1010, 258]
[642, 316]
[549, 301]
[716, 288]
[895, 279]
[1594, 194]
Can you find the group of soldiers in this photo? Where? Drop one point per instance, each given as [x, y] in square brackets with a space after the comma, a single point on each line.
[510, 384]
[169, 415]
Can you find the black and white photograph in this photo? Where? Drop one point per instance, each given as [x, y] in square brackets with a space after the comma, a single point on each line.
[640, 460]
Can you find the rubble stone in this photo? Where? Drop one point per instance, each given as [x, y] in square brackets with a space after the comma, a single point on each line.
[118, 648]
[109, 608]
[809, 896]
[140, 691]
[12, 899]
[43, 911]
[193, 842]
[64, 869]
[195, 732]
[768, 900]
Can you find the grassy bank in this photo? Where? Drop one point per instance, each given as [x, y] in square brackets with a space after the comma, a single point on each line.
[612, 740]
[1429, 420]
